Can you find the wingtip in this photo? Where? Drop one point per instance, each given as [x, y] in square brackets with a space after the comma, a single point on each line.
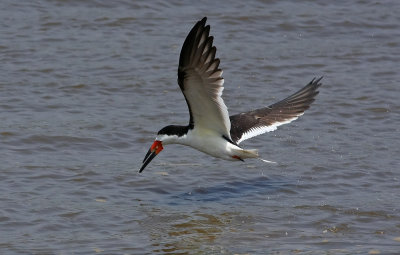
[317, 81]
[202, 22]
[199, 24]
[314, 84]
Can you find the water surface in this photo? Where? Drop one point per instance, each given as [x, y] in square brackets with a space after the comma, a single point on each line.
[85, 85]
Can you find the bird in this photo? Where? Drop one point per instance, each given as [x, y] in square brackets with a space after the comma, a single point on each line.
[211, 130]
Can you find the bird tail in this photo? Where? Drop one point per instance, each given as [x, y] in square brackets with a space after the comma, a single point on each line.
[249, 154]
[252, 154]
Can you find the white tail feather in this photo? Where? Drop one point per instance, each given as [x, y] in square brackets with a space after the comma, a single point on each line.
[267, 161]
[249, 153]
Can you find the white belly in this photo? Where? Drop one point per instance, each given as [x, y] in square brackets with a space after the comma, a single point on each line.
[215, 145]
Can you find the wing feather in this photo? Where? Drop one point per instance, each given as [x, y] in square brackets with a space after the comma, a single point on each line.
[201, 82]
[249, 124]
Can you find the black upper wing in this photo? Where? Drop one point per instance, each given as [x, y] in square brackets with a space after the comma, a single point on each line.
[201, 82]
[249, 124]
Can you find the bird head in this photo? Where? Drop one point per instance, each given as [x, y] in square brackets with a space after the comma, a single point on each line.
[167, 135]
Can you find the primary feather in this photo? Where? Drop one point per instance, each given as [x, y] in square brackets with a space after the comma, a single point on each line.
[253, 123]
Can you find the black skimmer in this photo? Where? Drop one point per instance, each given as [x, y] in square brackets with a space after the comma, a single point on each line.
[211, 129]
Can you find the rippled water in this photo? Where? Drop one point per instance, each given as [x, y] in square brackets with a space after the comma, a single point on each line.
[85, 85]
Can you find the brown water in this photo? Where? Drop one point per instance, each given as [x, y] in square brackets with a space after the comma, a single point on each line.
[85, 85]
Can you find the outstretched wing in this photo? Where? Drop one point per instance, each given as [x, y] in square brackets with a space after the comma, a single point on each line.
[201, 81]
[249, 124]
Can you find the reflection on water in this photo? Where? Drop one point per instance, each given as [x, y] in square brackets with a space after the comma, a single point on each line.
[231, 190]
[188, 233]
[172, 232]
